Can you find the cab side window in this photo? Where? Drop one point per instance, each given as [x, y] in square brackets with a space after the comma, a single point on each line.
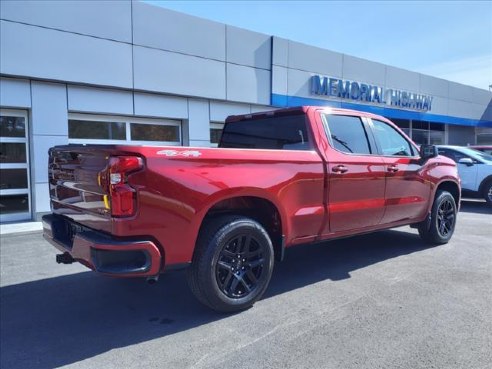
[347, 134]
[391, 141]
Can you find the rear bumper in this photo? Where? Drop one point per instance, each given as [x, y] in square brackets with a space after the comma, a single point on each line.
[104, 254]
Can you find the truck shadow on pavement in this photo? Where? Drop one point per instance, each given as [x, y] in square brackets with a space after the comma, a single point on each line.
[60, 321]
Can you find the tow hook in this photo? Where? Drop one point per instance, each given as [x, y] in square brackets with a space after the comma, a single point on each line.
[64, 258]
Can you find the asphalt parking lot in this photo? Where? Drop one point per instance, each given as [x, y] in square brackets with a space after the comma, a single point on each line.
[377, 301]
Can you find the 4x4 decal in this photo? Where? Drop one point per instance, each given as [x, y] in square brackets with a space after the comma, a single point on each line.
[187, 153]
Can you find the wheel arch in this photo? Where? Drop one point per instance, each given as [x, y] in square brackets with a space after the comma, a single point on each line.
[450, 186]
[258, 208]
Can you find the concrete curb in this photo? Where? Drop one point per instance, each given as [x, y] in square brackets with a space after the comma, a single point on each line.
[20, 227]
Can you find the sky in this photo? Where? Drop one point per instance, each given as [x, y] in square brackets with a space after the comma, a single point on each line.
[446, 39]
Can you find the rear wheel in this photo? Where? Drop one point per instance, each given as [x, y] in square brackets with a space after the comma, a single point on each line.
[232, 265]
[440, 228]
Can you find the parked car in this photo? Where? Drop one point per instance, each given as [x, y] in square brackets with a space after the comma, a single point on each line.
[474, 168]
[484, 148]
[278, 179]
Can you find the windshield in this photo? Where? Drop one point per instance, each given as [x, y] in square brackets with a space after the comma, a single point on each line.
[476, 154]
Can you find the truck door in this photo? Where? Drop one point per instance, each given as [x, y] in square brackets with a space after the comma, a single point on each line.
[407, 192]
[355, 175]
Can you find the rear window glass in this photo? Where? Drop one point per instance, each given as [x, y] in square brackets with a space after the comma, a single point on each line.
[287, 133]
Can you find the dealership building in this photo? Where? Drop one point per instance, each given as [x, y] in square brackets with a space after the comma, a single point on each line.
[129, 72]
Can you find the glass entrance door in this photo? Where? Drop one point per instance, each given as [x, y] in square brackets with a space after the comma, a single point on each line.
[15, 204]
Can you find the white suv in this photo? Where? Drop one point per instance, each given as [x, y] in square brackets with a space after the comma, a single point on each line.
[474, 169]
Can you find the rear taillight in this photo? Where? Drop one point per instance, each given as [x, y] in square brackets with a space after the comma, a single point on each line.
[122, 197]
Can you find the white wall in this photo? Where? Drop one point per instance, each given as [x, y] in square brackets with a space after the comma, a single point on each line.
[249, 48]
[199, 122]
[101, 101]
[105, 19]
[154, 105]
[294, 63]
[248, 84]
[167, 30]
[173, 73]
[163, 51]
[15, 93]
[49, 128]
[37, 52]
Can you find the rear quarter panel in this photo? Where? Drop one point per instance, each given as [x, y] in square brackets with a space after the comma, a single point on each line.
[178, 188]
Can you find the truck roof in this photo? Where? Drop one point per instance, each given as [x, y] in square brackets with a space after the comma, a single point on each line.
[297, 110]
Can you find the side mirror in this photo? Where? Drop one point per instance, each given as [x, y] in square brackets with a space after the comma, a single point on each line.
[467, 161]
[428, 151]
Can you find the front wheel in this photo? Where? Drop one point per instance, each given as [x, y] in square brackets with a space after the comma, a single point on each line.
[487, 192]
[232, 265]
[440, 228]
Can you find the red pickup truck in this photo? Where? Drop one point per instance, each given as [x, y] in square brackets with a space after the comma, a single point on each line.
[278, 179]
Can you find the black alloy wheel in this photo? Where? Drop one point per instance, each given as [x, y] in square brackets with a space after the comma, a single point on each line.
[239, 266]
[439, 227]
[232, 264]
[446, 218]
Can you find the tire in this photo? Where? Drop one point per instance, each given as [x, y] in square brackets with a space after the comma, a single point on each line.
[487, 192]
[232, 264]
[442, 220]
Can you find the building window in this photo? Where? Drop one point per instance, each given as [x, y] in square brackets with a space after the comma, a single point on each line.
[15, 203]
[423, 132]
[95, 129]
[420, 132]
[154, 132]
[403, 124]
[484, 136]
[437, 133]
[215, 133]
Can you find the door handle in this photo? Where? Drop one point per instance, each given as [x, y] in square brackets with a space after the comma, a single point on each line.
[393, 168]
[339, 169]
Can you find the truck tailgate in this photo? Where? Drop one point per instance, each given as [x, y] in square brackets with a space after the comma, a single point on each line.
[74, 183]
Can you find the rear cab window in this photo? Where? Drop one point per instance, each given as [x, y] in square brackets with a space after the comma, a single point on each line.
[276, 133]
